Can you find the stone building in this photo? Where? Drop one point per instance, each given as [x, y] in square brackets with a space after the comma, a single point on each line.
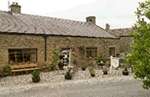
[125, 39]
[28, 38]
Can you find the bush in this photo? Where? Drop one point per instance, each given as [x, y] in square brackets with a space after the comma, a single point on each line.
[52, 67]
[82, 48]
[105, 70]
[60, 65]
[68, 75]
[35, 74]
[5, 69]
[75, 62]
[91, 70]
[100, 58]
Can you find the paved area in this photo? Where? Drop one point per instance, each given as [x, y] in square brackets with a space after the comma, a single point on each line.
[51, 77]
[125, 86]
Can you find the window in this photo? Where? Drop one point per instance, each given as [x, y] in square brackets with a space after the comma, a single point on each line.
[112, 51]
[91, 52]
[22, 55]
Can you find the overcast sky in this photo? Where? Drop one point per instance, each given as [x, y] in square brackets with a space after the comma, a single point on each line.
[118, 13]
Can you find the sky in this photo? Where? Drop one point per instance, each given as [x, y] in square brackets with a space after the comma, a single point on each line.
[117, 13]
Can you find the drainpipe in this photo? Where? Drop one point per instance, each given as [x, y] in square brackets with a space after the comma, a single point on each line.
[45, 37]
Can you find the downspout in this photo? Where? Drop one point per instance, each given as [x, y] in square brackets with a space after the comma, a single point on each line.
[45, 37]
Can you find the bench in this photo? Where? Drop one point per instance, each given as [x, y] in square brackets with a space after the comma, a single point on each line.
[20, 68]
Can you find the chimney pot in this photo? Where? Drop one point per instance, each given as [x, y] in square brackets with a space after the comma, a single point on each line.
[15, 8]
[91, 19]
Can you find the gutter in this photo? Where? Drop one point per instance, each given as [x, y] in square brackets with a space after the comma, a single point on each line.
[45, 37]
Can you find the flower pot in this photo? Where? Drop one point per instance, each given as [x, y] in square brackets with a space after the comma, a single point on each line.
[46, 70]
[68, 77]
[93, 75]
[105, 73]
[83, 68]
[125, 73]
[5, 74]
[35, 79]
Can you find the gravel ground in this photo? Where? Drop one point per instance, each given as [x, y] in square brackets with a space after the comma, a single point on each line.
[54, 78]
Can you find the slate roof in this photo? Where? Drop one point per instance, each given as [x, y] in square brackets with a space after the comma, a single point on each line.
[122, 31]
[33, 24]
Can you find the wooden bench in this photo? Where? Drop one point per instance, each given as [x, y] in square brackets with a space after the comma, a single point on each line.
[20, 68]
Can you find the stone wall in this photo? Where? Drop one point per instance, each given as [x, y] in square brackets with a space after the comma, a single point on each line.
[57, 42]
[20, 41]
[125, 44]
[54, 42]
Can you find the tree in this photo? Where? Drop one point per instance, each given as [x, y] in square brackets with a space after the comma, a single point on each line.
[140, 54]
[107, 27]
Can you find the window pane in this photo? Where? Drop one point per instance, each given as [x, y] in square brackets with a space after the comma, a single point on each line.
[27, 57]
[12, 50]
[91, 52]
[33, 57]
[112, 51]
[19, 58]
[12, 58]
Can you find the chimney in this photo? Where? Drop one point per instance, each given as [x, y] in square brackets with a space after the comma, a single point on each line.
[91, 19]
[15, 8]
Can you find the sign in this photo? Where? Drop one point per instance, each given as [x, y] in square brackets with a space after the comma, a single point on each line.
[114, 62]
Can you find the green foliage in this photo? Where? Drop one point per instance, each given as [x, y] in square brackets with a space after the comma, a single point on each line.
[75, 62]
[5, 69]
[140, 55]
[55, 59]
[107, 27]
[91, 70]
[82, 48]
[105, 70]
[55, 56]
[68, 73]
[60, 65]
[52, 66]
[100, 58]
[36, 74]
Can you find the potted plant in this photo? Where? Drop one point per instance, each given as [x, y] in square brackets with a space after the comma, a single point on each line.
[92, 72]
[35, 76]
[46, 68]
[68, 75]
[125, 72]
[105, 71]
[60, 65]
[5, 71]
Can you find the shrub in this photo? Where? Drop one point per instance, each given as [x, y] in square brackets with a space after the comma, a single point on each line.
[52, 66]
[91, 70]
[5, 69]
[82, 48]
[100, 58]
[75, 62]
[105, 70]
[60, 65]
[68, 75]
[35, 74]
